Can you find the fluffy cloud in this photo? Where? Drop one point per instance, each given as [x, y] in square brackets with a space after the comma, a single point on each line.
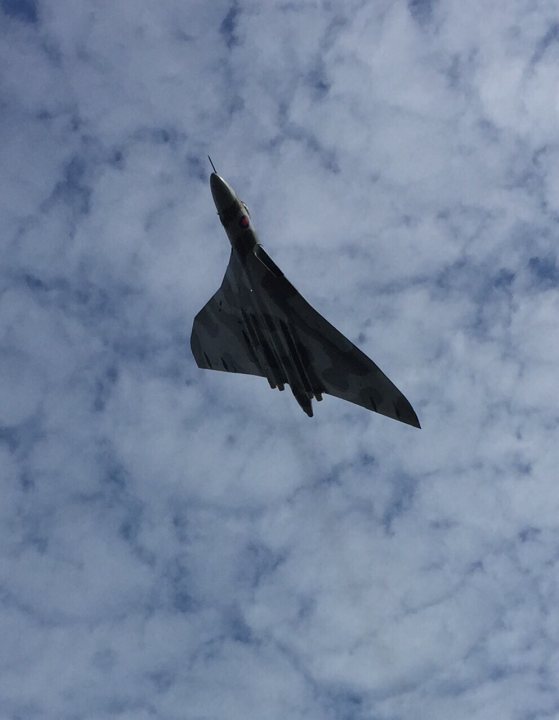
[180, 543]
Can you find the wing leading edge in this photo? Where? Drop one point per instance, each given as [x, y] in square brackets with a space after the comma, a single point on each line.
[230, 335]
[343, 370]
[219, 340]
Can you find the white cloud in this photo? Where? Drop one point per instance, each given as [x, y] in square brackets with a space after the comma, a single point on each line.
[180, 543]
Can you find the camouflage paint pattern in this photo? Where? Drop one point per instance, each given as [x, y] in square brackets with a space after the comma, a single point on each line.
[257, 323]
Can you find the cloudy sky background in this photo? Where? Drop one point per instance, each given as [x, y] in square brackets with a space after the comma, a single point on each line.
[177, 543]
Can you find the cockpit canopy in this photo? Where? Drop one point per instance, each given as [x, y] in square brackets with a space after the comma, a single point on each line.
[245, 207]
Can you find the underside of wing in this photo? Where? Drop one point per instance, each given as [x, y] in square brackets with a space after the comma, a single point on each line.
[258, 324]
[340, 368]
[219, 340]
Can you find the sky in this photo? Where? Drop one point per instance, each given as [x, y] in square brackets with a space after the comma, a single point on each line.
[179, 543]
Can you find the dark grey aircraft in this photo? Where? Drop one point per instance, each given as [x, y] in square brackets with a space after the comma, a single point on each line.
[258, 324]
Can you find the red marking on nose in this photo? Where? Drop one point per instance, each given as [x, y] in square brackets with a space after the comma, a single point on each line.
[244, 222]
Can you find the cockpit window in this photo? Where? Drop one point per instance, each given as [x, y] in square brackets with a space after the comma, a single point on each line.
[245, 207]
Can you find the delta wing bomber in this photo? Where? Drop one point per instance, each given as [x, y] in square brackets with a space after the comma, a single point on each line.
[257, 323]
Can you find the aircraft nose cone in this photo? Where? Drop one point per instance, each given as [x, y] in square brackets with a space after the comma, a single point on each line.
[222, 194]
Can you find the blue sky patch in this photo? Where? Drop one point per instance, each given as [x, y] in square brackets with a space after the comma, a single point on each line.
[24, 10]
[190, 539]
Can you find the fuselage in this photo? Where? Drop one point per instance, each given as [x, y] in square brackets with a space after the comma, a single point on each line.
[234, 215]
[273, 346]
[257, 323]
